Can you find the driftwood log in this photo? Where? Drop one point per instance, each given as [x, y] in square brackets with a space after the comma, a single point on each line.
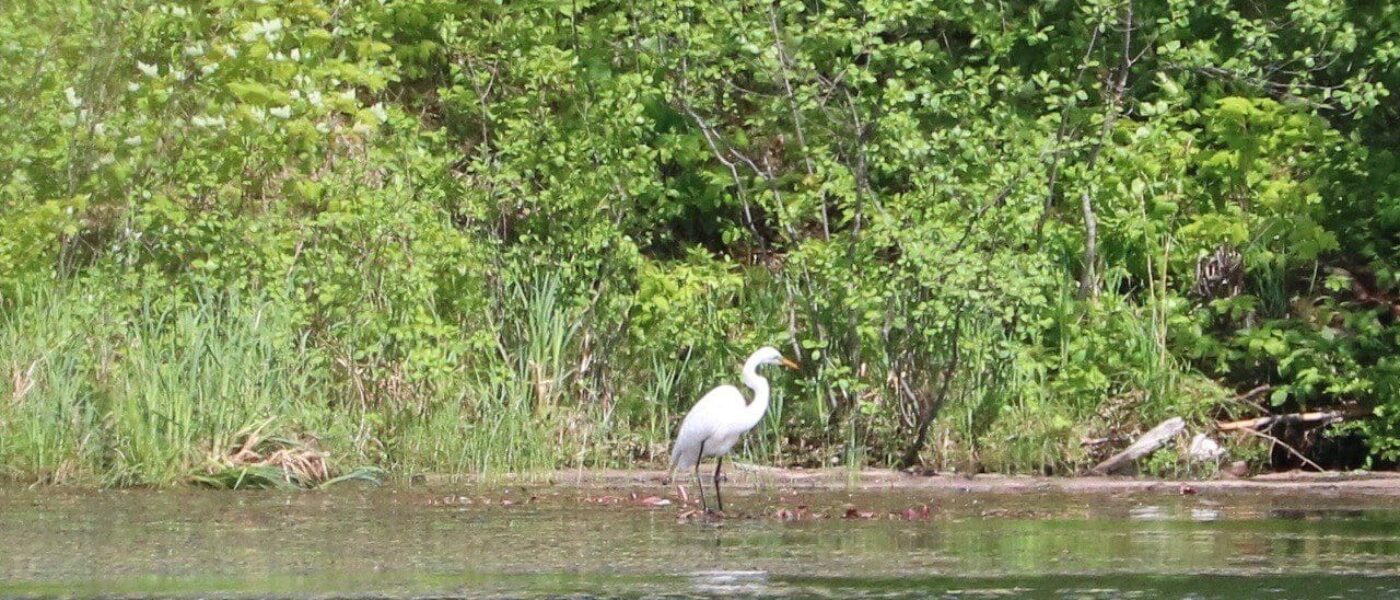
[1147, 444]
[1310, 417]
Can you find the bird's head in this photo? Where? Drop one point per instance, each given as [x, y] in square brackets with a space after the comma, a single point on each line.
[769, 355]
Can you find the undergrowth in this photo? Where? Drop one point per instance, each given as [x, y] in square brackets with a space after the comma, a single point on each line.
[247, 242]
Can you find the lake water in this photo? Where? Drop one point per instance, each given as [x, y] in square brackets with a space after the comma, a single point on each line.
[570, 542]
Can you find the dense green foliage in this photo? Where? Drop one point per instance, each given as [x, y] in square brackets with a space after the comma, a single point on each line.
[463, 236]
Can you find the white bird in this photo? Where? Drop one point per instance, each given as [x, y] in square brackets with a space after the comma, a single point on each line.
[714, 424]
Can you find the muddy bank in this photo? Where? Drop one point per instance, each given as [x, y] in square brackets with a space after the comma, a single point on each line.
[751, 478]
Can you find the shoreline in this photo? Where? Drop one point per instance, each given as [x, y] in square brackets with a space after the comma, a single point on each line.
[751, 478]
[755, 479]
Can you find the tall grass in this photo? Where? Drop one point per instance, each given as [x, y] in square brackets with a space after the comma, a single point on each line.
[153, 390]
[191, 378]
[144, 394]
[49, 425]
[512, 412]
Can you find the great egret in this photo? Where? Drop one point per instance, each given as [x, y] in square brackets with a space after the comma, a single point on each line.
[715, 423]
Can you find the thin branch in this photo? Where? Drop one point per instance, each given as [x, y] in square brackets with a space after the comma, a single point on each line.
[1290, 449]
[712, 139]
[1088, 281]
[929, 410]
[1058, 147]
[796, 113]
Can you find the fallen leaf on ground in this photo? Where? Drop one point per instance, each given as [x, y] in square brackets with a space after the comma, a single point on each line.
[916, 512]
[855, 513]
[601, 499]
[796, 514]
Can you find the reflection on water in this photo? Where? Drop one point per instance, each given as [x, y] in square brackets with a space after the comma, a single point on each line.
[547, 542]
[1204, 514]
[730, 583]
[1151, 512]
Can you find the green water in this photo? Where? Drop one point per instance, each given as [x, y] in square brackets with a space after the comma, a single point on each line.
[417, 542]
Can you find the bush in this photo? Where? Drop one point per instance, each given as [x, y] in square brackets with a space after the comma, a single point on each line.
[525, 236]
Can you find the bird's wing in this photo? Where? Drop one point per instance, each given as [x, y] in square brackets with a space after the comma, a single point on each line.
[704, 419]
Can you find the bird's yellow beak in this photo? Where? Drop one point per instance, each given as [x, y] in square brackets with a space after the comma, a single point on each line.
[788, 363]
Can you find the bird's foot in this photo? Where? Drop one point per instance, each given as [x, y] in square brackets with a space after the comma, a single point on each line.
[714, 514]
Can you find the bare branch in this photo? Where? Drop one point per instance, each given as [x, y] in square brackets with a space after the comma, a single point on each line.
[1058, 147]
[796, 113]
[1290, 449]
[1088, 281]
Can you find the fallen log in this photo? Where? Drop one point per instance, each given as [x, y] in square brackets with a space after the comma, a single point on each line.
[1147, 444]
[1308, 417]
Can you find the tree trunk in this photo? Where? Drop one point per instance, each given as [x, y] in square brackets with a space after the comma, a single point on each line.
[929, 409]
[1089, 277]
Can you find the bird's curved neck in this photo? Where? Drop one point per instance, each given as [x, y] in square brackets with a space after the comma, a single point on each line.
[759, 384]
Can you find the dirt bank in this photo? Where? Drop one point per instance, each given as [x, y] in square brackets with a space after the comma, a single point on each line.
[750, 478]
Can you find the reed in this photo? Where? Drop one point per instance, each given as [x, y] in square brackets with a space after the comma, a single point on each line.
[154, 390]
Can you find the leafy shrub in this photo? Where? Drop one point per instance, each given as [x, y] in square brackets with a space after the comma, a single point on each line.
[527, 235]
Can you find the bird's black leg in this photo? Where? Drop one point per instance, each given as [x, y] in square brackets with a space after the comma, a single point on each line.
[698, 482]
[718, 498]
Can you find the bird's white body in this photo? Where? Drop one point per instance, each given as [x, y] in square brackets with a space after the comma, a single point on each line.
[713, 426]
[717, 420]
